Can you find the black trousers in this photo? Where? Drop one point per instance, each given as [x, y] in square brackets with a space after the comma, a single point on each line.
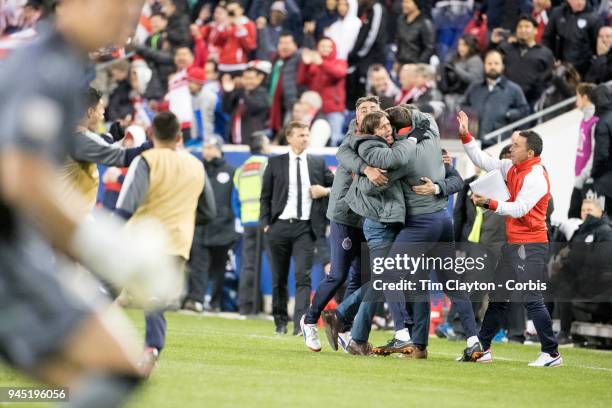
[207, 266]
[248, 266]
[288, 240]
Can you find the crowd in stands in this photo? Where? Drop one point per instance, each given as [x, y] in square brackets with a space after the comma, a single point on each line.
[230, 70]
[433, 54]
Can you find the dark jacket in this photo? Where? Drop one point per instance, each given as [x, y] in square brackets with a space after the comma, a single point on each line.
[255, 114]
[415, 40]
[275, 190]
[601, 69]
[178, 30]
[587, 270]
[161, 63]
[371, 41]
[207, 208]
[221, 230]
[349, 163]
[495, 109]
[119, 104]
[602, 156]
[530, 68]
[493, 228]
[504, 13]
[572, 37]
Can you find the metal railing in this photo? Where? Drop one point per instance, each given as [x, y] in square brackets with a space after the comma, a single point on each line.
[534, 116]
[499, 132]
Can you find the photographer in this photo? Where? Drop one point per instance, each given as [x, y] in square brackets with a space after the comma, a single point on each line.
[527, 63]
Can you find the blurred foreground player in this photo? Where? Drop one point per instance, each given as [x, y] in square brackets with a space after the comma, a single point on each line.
[46, 330]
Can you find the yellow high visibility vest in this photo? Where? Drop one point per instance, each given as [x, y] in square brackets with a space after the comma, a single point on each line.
[248, 179]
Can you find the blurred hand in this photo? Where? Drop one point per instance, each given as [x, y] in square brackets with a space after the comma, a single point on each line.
[376, 176]
[227, 83]
[316, 58]
[306, 56]
[497, 35]
[261, 22]
[195, 31]
[266, 228]
[318, 191]
[464, 121]
[111, 175]
[204, 13]
[478, 200]
[327, 269]
[426, 189]
[309, 27]
[447, 159]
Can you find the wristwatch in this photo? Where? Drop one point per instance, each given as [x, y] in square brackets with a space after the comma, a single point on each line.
[486, 204]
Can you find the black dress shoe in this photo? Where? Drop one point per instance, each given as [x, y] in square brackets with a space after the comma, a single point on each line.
[281, 329]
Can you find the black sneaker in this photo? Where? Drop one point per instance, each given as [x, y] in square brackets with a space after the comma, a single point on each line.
[472, 354]
[564, 340]
[333, 326]
[394, 346]
[280, 329]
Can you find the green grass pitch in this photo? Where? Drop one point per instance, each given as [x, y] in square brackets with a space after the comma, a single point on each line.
[215, 362]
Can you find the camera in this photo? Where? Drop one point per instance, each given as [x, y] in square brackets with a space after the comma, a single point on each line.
[231, 13]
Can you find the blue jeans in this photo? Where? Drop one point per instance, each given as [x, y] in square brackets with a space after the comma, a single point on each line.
[155, 331]
[336, 121]
[345, 253]
[380, 237]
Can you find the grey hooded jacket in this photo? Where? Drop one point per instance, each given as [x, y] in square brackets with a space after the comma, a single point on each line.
[349, 163]
[427, 162]
[387, 205]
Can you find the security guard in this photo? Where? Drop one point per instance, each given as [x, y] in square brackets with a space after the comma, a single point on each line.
[245, 203]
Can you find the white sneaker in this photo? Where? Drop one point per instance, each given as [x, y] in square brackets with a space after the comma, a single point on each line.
[311, 335]
[487, 357]
[343, 340]
[546, 360]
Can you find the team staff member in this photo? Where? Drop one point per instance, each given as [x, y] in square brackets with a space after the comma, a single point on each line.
[248, 179]
[346, 235]
[165, 184]
[524, 257]
[293, 206]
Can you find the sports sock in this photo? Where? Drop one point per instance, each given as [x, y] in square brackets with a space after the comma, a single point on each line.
[472, 340]
[402, 335]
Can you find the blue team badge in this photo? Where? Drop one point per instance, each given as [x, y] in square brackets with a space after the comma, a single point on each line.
[347, 244]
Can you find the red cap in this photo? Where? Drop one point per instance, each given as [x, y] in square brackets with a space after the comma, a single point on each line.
[196, 74]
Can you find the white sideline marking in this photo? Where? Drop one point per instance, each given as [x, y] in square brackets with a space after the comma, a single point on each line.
[521, 361]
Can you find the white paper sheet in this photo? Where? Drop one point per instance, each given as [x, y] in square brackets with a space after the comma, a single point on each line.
[491, 185]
